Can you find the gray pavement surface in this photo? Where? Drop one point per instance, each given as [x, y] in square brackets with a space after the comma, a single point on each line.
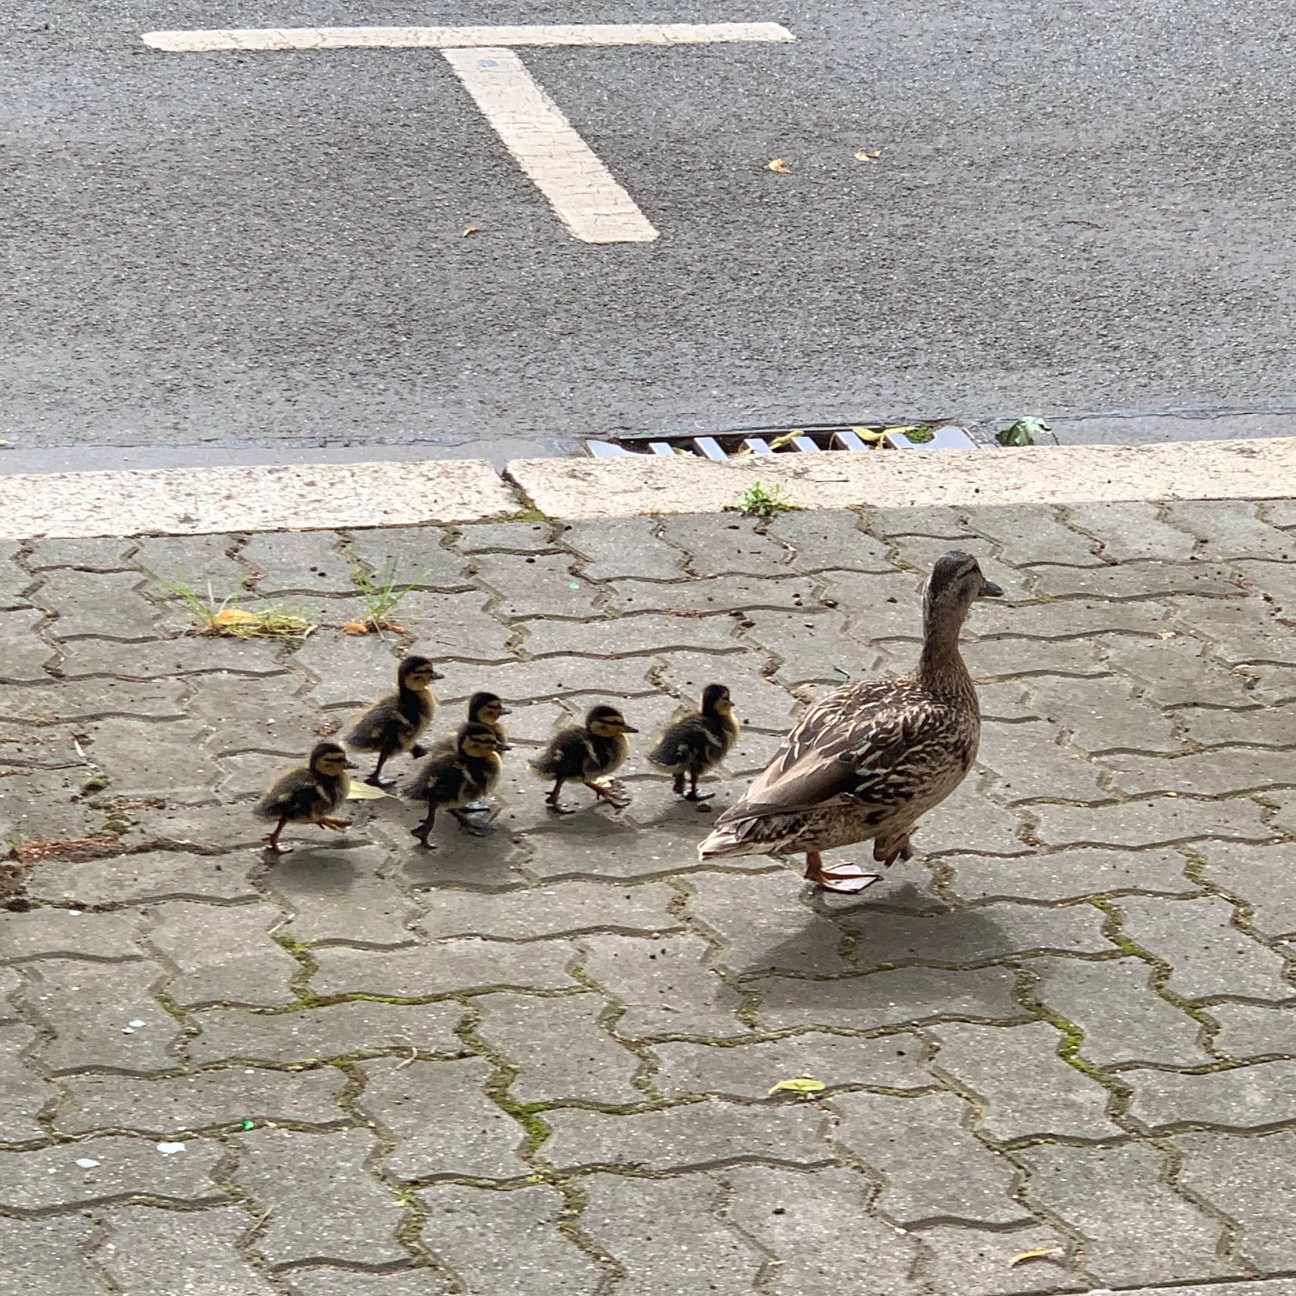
[1078, 209]
[1058, 1048]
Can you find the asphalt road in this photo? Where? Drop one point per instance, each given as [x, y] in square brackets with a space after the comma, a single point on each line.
[1081, 207]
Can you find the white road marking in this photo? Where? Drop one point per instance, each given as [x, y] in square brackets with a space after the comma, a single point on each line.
[332, 38]
[582, 191]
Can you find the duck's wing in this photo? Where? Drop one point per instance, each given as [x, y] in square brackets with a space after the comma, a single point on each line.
[296, 796]
[866, 744]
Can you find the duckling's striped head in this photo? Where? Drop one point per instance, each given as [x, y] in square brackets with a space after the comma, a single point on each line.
[416, 673]
[607, 722]
[486, 708]
[716, 700]
[480, 742]
[329, 759]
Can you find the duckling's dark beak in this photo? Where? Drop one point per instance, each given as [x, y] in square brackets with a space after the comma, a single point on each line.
[436, 674]
[625, 728]
[990, 590]
[506, 710]
[352, 765]
[503, 746]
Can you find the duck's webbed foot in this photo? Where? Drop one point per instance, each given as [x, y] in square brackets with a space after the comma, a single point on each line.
[843, 879]
[613, 793]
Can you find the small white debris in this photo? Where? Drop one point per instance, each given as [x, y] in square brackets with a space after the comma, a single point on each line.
[136, 1024]
[170, 1149]
[74, 913]
[86, 1163]
[126, 1030]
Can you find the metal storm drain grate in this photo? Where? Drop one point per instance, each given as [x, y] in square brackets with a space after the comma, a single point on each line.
[741, 442]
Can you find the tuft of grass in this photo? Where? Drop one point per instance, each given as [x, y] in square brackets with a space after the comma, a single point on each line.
[382, 595]
[761, 501]
[223, 618]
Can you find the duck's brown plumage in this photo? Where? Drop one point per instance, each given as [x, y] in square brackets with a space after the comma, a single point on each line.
[866, 762]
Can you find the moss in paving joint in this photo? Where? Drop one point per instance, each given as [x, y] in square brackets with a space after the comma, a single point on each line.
[497, 1086]
[306, 964]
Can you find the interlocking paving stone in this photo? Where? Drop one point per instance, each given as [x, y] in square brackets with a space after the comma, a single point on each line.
[1140, 580]
[463, 1229]
[136, 878]
[1217, 772]
[1251, 1180]
[892, 998]
[967, 821]
[89, 1007]
[932, 1168]
[254, 714]
[156, 1253]
[717, 543]
[1247, 1030]
[66, 933]
[1241, 630]
[764, 924]
[1248, 1097]
[668, 1233]
[625, 636]
[971, 1262]
[538, 586]
[1122, 1017]
[297, 561]
[614, 548]
[1138, 1230]
[1031, 534]
[752, 1070]
[970, 935]
[51, 1178]
[88, 699]
[1178, 672]
[1032, 761]
[348, 671]
[819, 541]
[1264, 876]
[1102, 713]
[942, 520]
[664, 985]
[996, 659]
[23, 653]
[1271, 726]
[561, 1048]
[48, 1259]
[23, 1093]
[354, 1282]
[1022, 1086]
[554, 910]
[1129, 530]
[714, 594]
[201, 1101]
[165, 658]
[515, 537]
[223, 953]
[583, 679]
[323, 1203]
[802, 1218]
[336, 895]
[692, 1135]
[419, 554]
[1206, 954]
[139, 756]
[1156, 821]
[198, 560]
[1231, 529]
[338, 1030]
[455, 625]
[441, 1118]
[1067, 874]
[10, 982]
[107, 554]
[1068, 619]
[810, 646]
[444, 968]
[107, 604]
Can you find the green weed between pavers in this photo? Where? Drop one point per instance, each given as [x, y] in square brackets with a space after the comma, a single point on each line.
[761, 501]
[224, 618]
[382, 594]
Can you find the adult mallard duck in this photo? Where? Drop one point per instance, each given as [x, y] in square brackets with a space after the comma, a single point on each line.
[866, 762]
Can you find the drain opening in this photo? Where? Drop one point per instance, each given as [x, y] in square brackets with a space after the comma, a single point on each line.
[742, 442]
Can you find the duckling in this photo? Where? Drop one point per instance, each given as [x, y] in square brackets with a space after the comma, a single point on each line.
[483, 708]
[696, 741]
[587, 752]
[865, 762]
[396, 720]
[452, 779]
[307, 795]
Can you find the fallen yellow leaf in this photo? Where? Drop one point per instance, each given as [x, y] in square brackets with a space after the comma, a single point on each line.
[778, 165]
[1036, 1253]
[872, 435]
[234, 616]
[355, 628]
[472, 229]
[866, 155]
[786, 438]
[803, 1085]
[365, 792]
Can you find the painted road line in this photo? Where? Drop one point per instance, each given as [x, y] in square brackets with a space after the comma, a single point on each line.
[335, 38]
[580, 189]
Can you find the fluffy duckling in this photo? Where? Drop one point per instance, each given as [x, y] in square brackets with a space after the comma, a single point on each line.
[310, 794]
[587, 752]
[484, 709]
[395, 721]
[453, 779]
[696, 741]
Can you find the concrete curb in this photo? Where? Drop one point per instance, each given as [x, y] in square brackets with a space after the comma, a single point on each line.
[328, 496]
[1264, 469]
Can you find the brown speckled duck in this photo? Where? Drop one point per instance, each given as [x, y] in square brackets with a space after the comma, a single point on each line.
[866, 762]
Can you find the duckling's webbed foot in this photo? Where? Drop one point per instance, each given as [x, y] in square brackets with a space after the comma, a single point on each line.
[272, 843]
[551, 800]
[380, 780]
[613, 793]
[474, 826]
[423, 831]
[678, 789]
[337, 825]
[842, 879]
[693, 794]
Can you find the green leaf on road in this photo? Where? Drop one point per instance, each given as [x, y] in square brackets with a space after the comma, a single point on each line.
[1022, 433]
[803, 1085]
